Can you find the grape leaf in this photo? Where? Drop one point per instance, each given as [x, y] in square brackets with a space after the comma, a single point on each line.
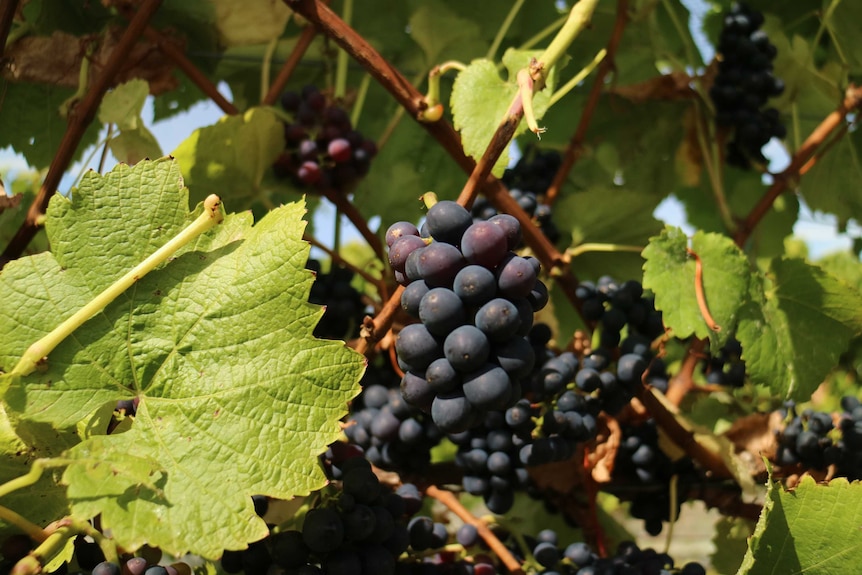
[122, 106]
[831, 184]
[235, 395]
[480, 99]
[30, 122]
[813, 529]
[250, 22]
[44, 501]
[231, 157]
[461, 40]
[730, 542]
[626, 220]
[844, 22]
[795, 325]
[669, 271]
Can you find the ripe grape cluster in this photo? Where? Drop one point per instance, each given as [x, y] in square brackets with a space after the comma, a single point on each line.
[475, 299]
[322, 148]
[361, 531]
[615, 306]
[728, 367]
[527, 182]
[641, 465]
[345, 309]
[810, 439]
[744, 84]
[392, 434]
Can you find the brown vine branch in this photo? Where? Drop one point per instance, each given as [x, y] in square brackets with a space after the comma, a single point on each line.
[79, 118]
[683, 381]
[498, 144]
[348, 209]
[575, 147]
[448, 499]
[190, 70]
[373, 330]
[7, 15]
[336, 258]
[302, 44]
[807, 152]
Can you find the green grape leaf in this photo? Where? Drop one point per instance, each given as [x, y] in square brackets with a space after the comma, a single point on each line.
[460, 41]
[235, 395]
[30, 122]
[44, 501]
[669, 271]
[627, 220]
[844, 22]
[730, 542]
[831, 184]
[481, 98]
[813, 529]
[231, 157]
[132, 146]
[122, 105]
[797, 322]
[250, 22]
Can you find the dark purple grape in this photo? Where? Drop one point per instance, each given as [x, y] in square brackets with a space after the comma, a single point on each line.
[288, 550]
[417, 347]
[412, 296]
[488, 388]
[511, 228]
[466, 348]
[339, 150]
[441, 376]
[447, 221]
[439, 263]
[451, 412]
[467, 535]
[399, 229]
[322, 530]
[441, 311]
[309, 173]
[515, 277]
[484, 244]
[498, 319]
[475, 285]
[107, 568]
[137, 565]
[401, 249]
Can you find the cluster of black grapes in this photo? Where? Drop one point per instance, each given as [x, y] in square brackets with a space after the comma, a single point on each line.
[475, 299]
[345, 309]
[642, 466]
[392, 434]
[728, 367]
[806, 439]
[322, 148]
[744, 84]
[362, 531]
[527, 182]
[579, 559]
[615, 306]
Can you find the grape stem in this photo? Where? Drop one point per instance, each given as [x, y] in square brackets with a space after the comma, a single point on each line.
[449, 499]
[61, 532]
[83, 80]
[575, 147]
[581, 249]
[683, 381]
[212, 215]
[79, 119]
[373, 330]
[277, 86]
[32, 530]
[578, 78]
[699, 292]
[432, 98]
[342, 62]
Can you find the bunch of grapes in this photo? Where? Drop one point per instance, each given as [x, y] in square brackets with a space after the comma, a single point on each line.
[322, 148]
[642, 465]
[744, 84]
[362, 531]
[475, 299]
[810, 439]
[728, 367]
[345, 309]
[392, 434]
[527, 182]
[615, 306]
